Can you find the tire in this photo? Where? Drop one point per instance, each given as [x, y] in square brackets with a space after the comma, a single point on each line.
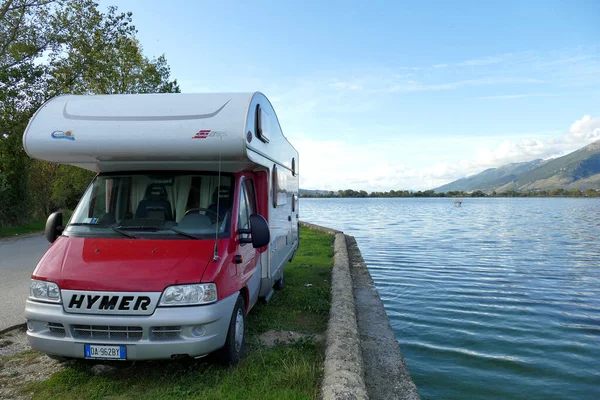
[235, 344]
[279, 282]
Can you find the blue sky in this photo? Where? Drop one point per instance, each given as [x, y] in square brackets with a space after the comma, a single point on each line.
[398, 94]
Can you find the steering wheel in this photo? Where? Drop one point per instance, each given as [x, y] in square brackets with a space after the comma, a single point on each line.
[206, 211]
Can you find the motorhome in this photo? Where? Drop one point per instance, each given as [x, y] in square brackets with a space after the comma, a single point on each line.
[190, 219]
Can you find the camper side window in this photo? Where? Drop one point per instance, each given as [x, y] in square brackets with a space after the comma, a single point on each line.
[247, 205]
[249, 189]
[243, 215]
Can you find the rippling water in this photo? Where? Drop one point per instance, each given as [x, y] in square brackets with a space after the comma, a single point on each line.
[497, 299]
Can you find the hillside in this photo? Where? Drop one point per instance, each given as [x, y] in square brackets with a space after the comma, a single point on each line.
[577, 170]
[491, 178]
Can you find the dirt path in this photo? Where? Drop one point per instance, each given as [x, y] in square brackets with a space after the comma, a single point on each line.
[20, 365]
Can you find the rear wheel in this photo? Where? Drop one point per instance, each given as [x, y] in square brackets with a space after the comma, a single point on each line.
[235, 344]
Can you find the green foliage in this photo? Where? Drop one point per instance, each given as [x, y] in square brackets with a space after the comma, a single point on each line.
[478, 193]
[13, 180]
[53, 47]
[30, 227]
[69, 183]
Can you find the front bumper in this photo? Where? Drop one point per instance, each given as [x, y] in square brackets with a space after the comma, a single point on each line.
[171, 331]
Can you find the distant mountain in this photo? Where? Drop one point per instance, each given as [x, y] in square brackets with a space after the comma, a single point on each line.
[491, 178]
[577, 170]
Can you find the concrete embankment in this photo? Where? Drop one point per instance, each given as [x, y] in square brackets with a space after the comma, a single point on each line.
[363, 358]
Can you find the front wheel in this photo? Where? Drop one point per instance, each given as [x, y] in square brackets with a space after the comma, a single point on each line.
[235, 344]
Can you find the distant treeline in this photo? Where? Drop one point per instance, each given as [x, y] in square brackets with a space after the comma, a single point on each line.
[477, 193]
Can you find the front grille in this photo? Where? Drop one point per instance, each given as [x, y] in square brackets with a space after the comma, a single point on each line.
[56, 329]
[165, 332]
[107, 332]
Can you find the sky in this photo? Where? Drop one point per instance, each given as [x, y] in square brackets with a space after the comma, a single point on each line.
[384, 95]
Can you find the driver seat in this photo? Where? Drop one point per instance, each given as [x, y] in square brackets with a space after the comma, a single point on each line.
[155, 204]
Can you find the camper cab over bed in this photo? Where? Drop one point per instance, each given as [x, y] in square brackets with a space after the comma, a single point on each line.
[191, 218]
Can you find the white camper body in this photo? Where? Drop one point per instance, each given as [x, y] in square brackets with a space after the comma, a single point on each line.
[232, 134]
[107, 133]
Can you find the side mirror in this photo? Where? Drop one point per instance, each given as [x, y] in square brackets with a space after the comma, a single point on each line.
[54, 226]
[259, 231]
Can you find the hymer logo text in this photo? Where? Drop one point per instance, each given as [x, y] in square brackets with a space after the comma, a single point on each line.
[126, 303]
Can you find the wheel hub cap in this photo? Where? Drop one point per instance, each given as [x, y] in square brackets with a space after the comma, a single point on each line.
[239, 330]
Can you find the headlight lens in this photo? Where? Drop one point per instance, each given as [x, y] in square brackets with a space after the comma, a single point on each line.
[187, 295]
[44, 291]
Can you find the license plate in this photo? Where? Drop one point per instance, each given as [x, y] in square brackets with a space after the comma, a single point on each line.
[105, 352]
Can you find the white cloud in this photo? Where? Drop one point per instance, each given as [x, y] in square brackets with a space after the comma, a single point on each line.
[481, 61]
[336, 165]
[516, 96]
[585, 130]
[578, 67]
[407, 83]
[346, 85]
[581, 133]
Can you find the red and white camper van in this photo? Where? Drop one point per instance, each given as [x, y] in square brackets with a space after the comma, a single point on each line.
[190, 219]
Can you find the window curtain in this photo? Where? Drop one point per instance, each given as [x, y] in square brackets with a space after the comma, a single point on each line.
[139, 183]
[207, 189]
[178, 195]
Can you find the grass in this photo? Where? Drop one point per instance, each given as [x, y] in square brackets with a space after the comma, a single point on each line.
[286, 371]
[29, 227]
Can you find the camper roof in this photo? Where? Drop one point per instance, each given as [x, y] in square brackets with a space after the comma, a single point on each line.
[158, 131]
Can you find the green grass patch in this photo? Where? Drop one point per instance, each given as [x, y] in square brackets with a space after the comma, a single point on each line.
[30, 227]
[286, 371]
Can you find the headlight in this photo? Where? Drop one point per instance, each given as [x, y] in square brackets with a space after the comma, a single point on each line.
[44, 291]
[188, 295]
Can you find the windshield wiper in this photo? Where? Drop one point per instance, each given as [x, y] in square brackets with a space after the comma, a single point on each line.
[191, 235]
[154, 229]
[140, 227]
[102, 226]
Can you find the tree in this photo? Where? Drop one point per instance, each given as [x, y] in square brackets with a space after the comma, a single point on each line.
[52, 47]
[478, 193]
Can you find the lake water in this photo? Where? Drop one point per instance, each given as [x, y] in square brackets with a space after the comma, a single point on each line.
[497, 299]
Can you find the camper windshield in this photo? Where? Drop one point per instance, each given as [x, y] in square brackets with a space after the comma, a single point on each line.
[170, 204]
